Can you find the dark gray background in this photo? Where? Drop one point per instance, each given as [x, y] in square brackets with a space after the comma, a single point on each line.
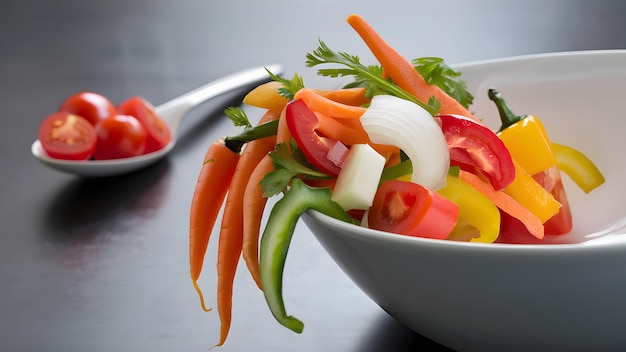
[101, 264]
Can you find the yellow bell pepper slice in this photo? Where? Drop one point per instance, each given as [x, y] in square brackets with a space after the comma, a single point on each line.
[528, 192]
[578, 167]
[529, 145]
[475, 209]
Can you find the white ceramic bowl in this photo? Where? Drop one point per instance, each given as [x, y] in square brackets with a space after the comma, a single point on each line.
[567, 295]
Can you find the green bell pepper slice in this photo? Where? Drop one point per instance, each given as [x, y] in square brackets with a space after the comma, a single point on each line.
[277, 237]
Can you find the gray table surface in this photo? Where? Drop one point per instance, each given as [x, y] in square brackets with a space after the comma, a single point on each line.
[101, 264]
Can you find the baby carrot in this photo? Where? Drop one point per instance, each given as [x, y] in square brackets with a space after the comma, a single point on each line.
[213, 182]
[329, 107]
[231, 230]
[401, 71]
[253, 206]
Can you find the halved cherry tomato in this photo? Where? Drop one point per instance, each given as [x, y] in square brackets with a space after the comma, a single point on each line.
[410, 209]
[67, 136]
[471, 143]
[159, 134]
[302, 124]
[91, 106]
[120, 136]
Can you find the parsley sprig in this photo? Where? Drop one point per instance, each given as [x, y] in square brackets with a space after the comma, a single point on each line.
[370, 76]
[238, 116]
[436, 71]
[290, 86]
[287, 165]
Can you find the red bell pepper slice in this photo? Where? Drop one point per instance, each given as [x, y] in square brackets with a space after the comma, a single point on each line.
[473, 145]
[303, 123]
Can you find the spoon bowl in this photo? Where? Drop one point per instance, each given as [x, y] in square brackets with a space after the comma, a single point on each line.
[172, 112]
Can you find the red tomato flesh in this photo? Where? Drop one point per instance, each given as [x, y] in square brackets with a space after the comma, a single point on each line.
[120, 136]
[302, 124]
[67, 136]
[410, 209]
[91, 106]
[472, 144]
[159, 134]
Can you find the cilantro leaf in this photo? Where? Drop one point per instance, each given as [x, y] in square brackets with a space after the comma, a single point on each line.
[436, 71]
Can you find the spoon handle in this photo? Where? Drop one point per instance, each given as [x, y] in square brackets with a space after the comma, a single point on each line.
[174, 110]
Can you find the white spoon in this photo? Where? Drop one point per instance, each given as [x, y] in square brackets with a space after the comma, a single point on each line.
[172, 112]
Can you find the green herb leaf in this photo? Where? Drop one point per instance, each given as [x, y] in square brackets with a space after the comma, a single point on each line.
[370, 77]
[291, 87]
[238, 116]
[436, 71]
[286, 167]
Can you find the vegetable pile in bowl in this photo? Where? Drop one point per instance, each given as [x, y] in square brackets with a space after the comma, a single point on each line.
[430, 208]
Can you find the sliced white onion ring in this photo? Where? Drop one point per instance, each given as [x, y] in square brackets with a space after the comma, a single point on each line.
[394, 121]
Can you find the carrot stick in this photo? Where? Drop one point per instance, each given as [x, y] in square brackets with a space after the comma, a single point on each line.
[231, 230]
[254, 206]
[213, 182]
[349, 132]
[506, 203]
[327, 106]
[401, 71]
[348, 96]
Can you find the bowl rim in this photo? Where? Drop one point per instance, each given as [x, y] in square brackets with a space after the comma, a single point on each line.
[354, 230]
[540, 56]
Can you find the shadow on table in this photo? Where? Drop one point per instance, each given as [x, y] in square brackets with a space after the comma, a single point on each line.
[390, 335]
[87, 208]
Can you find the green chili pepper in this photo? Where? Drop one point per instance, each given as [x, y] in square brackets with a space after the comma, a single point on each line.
[277, 237]
[236, 142]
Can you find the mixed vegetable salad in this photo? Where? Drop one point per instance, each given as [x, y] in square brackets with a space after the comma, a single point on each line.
[396, 150]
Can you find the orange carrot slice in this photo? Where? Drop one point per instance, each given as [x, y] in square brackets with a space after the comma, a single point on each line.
[506, 203]
[348, 96]
[327, 106]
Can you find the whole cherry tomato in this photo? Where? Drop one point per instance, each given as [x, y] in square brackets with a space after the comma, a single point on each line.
[120, 136]
[159, 134]
[91, 106]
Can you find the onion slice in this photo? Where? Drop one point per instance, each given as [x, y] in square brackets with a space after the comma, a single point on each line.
[394, 121]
